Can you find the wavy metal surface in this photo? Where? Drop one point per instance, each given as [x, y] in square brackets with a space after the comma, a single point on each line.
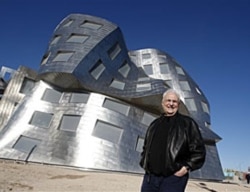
[92, 99]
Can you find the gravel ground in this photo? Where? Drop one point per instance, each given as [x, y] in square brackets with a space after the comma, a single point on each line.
[17, 177]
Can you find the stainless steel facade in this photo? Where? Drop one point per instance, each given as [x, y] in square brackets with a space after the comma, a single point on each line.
[91, 101]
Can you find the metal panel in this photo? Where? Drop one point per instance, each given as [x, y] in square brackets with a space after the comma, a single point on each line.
[85, 145]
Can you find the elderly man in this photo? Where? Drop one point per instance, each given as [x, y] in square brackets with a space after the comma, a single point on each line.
[173, 146]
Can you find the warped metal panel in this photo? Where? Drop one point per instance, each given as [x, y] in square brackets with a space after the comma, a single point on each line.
[93, 100]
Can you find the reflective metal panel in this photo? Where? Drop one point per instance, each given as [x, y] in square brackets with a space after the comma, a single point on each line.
[92, 100]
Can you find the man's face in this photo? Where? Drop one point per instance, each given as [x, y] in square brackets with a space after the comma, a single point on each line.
[170, 104]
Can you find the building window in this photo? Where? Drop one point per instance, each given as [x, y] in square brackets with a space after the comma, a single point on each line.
[91, 25]
[191, 104]
[164, 68]
[79, 98]
[107, 132]
[7, 76]
[68, 23]
[162, 56]
[143, 87]
[139, 144]
[117, 84]
[41, 119]
[179, 70]
[198, 90]
[7, 73]
[146, 56]
[205, 107]
[45, 59]
[132, 57]
[124, 70]
[69, 122]
[140, 79]
[27, 85]
[56, 39]
[169, 83]
[97, 70]
[116, 106]
[63, 56]
[114, 51]
[26, 144]
[52, 96]
[208, 125]
[147, 118]
[148, 69]
[185, 86]
[76, 38]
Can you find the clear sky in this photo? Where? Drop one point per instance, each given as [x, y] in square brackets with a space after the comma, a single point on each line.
[209, 38]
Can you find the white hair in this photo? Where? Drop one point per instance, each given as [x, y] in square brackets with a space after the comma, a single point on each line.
[171, 91]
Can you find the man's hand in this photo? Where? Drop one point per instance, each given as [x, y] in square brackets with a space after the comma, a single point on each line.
[181, 172]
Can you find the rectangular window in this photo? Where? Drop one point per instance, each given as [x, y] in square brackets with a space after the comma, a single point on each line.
[41, 119]
[68, 23]
[45, 59]
[63, 56]
[162, 56]
[26, 144]
[132, 57]
[146, 56]
[7, 76]
[191, 104]
[198, 90]
[179, 70]
[114, 51]
[27, 85]
[77, 38]
[69, 122]
[79, 98]
[97, 70]
[52, 96]
[107, 132]
[124, 70]
[148, 69]
[205, 107]
[169, 83]
[6, 73]
[140, 79]
[147, 118]
[208, 125]
[91, 25]
[116, 106]
[139, 144]
[56, 39]
[143, 87]
[117, 84]
[164, 68]
[185, 86]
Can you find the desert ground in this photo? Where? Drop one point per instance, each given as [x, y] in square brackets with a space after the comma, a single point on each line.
[31, 177]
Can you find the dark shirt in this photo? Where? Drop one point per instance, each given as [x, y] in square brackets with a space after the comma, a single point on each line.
[158, 147]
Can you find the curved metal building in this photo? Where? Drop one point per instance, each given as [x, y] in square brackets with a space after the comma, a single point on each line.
[91, 101]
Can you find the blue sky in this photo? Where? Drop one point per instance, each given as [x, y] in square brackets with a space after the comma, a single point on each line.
[209, 38]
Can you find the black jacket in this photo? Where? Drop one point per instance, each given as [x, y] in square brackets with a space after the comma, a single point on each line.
[186, 146]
